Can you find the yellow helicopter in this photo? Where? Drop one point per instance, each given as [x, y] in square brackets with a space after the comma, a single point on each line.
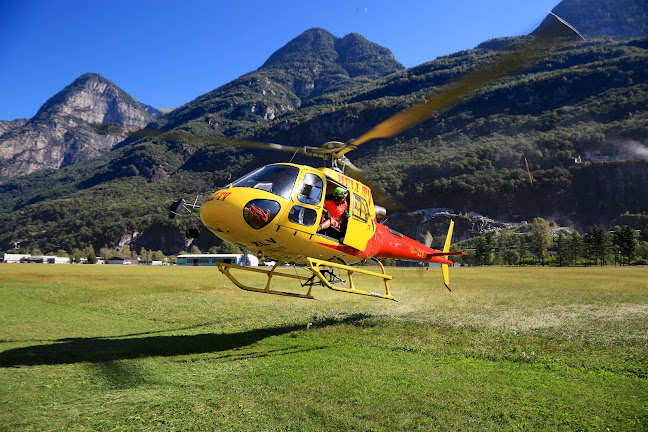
[282, 211]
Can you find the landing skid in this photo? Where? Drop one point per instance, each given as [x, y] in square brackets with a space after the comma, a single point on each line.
[323, 274]
[225, 269]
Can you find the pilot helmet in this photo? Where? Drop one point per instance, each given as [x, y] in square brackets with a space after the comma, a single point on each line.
[339, 192]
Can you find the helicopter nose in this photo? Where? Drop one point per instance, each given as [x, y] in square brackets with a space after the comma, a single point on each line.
[218, 210]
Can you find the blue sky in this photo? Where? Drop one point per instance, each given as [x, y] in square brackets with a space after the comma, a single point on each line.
[167, 53]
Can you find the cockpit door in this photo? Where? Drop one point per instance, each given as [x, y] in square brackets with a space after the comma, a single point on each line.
[360, 227]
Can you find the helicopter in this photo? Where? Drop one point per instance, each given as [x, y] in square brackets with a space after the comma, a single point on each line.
[278, 210]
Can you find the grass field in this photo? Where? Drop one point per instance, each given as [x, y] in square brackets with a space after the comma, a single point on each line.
[174, 348]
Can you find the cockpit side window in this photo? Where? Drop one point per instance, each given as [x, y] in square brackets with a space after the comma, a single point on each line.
[311, 190]
[360, 208]
[276, 179]
[302, 216]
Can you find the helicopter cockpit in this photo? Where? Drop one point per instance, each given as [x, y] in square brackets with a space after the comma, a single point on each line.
[305, 192]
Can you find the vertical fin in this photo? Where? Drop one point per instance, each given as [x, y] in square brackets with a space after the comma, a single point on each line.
[446, 276]
[448, 240]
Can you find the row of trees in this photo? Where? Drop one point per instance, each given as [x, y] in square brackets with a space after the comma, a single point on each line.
[597, 246]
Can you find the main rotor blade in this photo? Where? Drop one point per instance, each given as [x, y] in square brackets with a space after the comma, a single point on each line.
[179, 135]
[380, 195]
[550, 33]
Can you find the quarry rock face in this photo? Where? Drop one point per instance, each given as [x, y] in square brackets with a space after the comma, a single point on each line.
[82, 121]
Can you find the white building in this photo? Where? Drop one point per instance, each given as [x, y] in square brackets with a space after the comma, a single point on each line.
[151, 263]
[123, 261]
[27, 258]
[47, 259]
[12, 258]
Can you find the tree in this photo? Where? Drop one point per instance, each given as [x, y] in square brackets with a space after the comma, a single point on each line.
[480, 246]
[626, 242]
[642, 251]
[540, 238]
[597, 242]
[483, 250]
[92, 258]
[107, 252]
[144, 255]
[76, 255]
[522, 248]
[561, 248]
[499, 250]
[228, 248]
[510, 256]
[575, 247]
[89, 253]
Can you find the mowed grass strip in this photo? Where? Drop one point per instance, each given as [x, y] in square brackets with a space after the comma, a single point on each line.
[173, 348]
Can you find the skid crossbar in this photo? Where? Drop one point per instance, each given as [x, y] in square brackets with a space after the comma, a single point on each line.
[314, 265]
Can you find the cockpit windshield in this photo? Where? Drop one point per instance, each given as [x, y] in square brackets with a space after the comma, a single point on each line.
[276, 179]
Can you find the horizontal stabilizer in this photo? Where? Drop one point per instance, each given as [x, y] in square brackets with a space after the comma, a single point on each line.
[435, 254]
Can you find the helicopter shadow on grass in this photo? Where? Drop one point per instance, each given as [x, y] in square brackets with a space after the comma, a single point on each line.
[110, 349]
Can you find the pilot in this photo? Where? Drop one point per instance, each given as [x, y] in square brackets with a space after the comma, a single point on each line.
[335, 211]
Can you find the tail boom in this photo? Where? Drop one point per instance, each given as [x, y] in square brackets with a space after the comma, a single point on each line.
[388, 243]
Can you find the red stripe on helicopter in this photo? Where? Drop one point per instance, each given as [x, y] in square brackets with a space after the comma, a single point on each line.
[387, 243]
[346, 250]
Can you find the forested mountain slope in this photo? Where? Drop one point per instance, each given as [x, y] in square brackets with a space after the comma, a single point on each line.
[578, 118]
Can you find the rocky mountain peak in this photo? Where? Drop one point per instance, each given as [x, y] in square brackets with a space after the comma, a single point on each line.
[615, 18]
[83, 120]
[354, 54]
[94, 99]
[310, 65]
[315, 43]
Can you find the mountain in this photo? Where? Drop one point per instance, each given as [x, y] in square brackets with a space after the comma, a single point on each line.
[312, 64]
[578, 118]
[607, 18]
[85, 119]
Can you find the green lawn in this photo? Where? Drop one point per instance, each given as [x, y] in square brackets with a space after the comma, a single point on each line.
[177, 348]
